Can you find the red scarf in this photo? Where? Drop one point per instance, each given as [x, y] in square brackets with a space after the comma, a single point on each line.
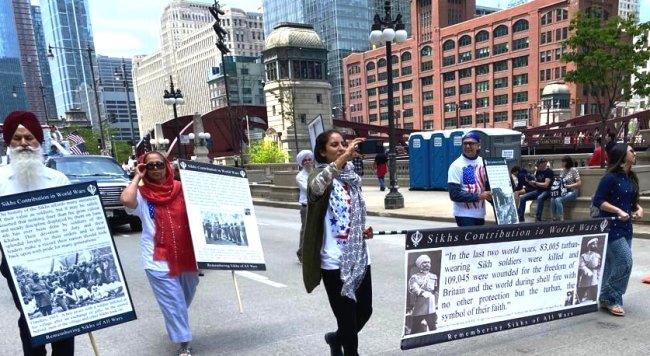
[172, 240]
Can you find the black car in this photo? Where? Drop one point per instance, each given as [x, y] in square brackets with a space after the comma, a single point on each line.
[111, 180]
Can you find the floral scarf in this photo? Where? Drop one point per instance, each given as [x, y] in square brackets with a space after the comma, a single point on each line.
[172, 239]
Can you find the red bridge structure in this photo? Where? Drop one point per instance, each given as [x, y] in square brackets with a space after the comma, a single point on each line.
[578, 134]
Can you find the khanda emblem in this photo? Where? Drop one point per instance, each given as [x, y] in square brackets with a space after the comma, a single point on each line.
[603, 225]
[91, 189]
[416, 238]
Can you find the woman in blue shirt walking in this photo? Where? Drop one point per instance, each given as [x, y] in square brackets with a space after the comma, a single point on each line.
[618, 196]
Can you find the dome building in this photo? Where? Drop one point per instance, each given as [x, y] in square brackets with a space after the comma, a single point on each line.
[556, 101]
[296, 86]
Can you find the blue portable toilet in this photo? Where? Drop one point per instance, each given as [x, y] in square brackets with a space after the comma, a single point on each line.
[419, 156]
[438, 166]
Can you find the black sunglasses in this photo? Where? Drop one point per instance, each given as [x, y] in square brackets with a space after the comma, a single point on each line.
[155, 165]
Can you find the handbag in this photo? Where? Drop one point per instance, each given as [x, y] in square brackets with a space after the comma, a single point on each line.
[557, 188]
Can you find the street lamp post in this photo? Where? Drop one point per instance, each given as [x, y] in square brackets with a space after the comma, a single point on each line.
[90, 51]
[385, 31]
[174, 97]
[122, 74]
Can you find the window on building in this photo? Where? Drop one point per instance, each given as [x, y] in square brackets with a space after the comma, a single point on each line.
[427, 95]
[500, 48]
[520, 79]
[371, 79]
[520, 62]
[521, 114]
[319, 99]
[448, 45]
[448, 60]
[464, 40]
[407, 99]
[500, 31]
[483, 69]
[520, 97]
[465, 89]
[372, 117]
[450, 107]
[428, 125]
[500, 65]
[395, 59]
[465, 73]
[482, 102]
[519, 26]
[425, 51]
[466, 120]
[370, 66]
[427, 110]
[465, 104]
[520, 43]
[383, 116]
[372, 92]
[406, 56]
[464, 56]
[372, 104]
[482, 52]
[383, 76]
[407, 113]
[483, 86]
[427, 80]
[450, 122]
[407, 85]
[451, 91]
[500, 83]
[449, 76]
[424, 66]
[383, 103]
[501, 99]
[381, 63]
[500, 116]
[482, 36]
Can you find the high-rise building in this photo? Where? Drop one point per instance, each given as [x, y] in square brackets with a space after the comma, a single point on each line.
[629, 7]
[11, 74]
[44, 66]
[503, 69]
[245, 79]
[343, 26]
[190, 59]
[114, 98]
[68, 30]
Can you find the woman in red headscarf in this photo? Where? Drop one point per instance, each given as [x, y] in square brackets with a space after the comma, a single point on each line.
[167, 254]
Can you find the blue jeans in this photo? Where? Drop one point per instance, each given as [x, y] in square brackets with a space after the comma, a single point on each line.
[557, 204]
[618, 267]
[534, 195]
[382, 185]
[467, 221]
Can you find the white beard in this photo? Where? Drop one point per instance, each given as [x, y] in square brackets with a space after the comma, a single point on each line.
[27, 164]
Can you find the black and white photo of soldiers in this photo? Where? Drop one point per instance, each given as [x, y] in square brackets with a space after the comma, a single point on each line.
[422, 292]
[224, 229]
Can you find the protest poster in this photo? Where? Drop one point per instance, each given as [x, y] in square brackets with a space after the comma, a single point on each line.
[465, 282]
[221, 215]
[315, 127]
[503, 199]
[63, 262]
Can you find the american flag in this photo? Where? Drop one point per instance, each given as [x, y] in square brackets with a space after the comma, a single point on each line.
[75, 138]
[79, 149]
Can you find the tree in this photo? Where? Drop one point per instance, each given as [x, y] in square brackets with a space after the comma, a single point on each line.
[263, 151]
[607, 53]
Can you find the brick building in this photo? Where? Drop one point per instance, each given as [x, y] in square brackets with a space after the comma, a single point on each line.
[479, 71]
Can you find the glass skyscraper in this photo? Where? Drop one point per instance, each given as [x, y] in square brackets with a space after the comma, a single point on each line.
[114, 99]
[343, 26]
[41, 49]
[11, 74]
[66, 24]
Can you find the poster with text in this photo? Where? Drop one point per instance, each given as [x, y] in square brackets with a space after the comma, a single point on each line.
[222, 218]
[503, 199]
[63, 262]
[464, 282]
[315, 127]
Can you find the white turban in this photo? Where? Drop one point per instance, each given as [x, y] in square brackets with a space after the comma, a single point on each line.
[422, 259]
[302, 155]
[593, 241]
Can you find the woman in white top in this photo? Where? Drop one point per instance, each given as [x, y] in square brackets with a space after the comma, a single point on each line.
[571, 180]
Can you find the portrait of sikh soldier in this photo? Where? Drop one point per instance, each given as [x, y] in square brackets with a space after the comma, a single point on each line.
[589, 268]
[423, 285]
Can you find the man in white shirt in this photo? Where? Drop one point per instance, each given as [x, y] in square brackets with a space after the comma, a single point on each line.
[23, 136]
[80, 293]
[466, 180]
[305, 159]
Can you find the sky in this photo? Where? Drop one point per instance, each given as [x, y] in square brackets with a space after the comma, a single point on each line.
[124, 28]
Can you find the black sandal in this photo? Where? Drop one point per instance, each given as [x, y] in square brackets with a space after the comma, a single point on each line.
[184, 350]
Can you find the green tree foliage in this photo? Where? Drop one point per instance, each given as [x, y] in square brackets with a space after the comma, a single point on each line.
[262, 151]
[607, 54]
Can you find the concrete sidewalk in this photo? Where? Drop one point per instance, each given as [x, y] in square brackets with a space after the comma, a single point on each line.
[422, 205]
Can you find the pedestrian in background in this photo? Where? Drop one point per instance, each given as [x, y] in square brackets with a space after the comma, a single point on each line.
[611, 141]
[617, 196]
[381, 168]
[571, 181]
[335, 248]
[466, 181]
[166, 243]
[594, 161]
[543, 177]
[26, 172]
[305, 159]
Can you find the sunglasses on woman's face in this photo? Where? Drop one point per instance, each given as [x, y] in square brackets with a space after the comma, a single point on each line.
[155, 165]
